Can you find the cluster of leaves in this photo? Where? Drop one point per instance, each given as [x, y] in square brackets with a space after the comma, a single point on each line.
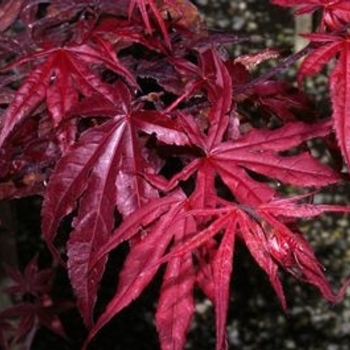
[131, 118]
[34, 306]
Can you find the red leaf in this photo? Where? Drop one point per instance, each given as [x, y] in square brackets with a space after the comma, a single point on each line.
[141, 4]
[340, 95]
[31, 281]
[176, 303]
[94, 222]
[71, 176]
[134, 223]
[139, 267]
[29, 95]
[313, 63]
[256, 151]
[64, 73]
[295, 254]
[254, 239]
[222, 268]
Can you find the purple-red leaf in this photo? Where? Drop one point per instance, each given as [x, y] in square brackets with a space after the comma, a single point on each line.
[94, 223]
[176, 303]
[140, 265]
[340, 95]
[222, 269]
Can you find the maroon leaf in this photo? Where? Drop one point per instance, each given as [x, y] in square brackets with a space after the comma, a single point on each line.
[94, 221]
[339, 81]
[222, 268]
[256, 151]
[31, 281]
[141, 4]
[139, 267]
[176, 303]
[254, 238]
[64, 73]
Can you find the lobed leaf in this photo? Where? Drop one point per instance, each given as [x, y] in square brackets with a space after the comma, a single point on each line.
[176, 303]
[339, 88]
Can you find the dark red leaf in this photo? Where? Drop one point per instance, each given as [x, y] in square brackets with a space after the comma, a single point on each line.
[339, 83]
[176, 303]
[140, 264]
[222, 270]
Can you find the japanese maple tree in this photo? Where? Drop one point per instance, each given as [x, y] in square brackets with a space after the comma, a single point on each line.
[132, 121]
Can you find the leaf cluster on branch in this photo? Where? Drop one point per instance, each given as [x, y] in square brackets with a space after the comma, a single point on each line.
[131, 118]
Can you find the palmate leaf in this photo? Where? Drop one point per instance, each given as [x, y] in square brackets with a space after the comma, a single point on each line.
[36, 308]
[340, 94]
[334, 13]
[270, 241]
[58, 80]
[259, 151]
[331, 45]
[140, 265]
[101, 171]
[90, 171]
[31, 281]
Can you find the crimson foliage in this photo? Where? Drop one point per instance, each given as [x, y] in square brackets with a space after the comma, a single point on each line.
[131, 118]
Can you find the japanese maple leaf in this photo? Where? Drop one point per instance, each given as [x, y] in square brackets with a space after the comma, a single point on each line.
[282, 100]
[176, 303]
[32, 315]
[330, 46]
[31, 282]
[58, 80]
[153, 222]
[259, 151]
[271, 242]
[36, 308]
[102, 172]
[335, 13]
[287, 248]
[143, 8]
